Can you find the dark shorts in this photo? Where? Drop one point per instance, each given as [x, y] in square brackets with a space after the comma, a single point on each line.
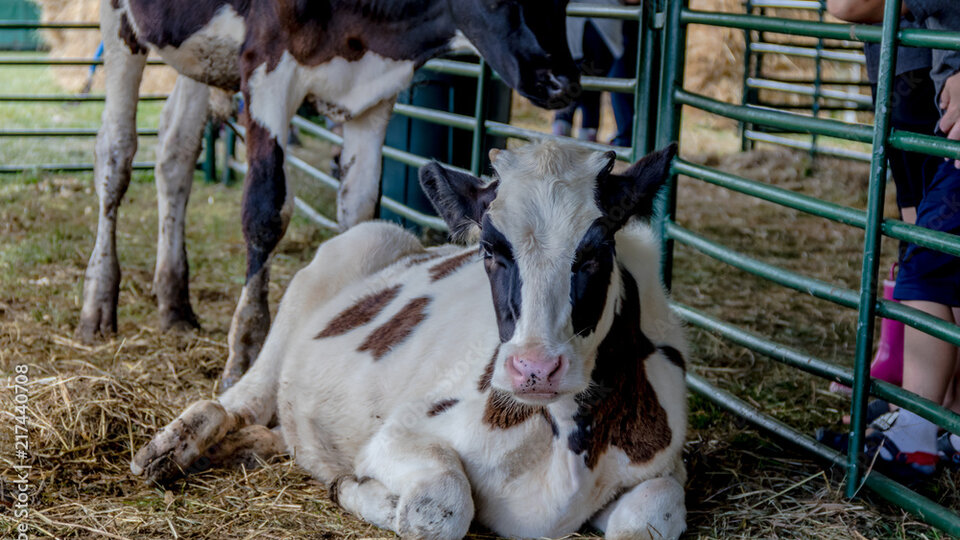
[912, 108]
[927, 274]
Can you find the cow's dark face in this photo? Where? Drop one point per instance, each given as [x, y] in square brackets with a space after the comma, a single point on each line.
[525, 42]
[547, 230]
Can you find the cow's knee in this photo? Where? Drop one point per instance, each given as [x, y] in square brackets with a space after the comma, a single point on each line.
[438, 507]
[652, 510]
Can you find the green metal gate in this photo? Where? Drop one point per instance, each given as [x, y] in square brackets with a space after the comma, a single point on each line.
[864, 300]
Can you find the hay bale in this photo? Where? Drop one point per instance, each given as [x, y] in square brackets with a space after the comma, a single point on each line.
[83, 44]
[715, 55]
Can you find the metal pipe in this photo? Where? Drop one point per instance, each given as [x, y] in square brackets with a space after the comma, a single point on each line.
[809, 90]
[805, 52]
[866, 316]
[67, 98]
[805, 145]
[64, 132]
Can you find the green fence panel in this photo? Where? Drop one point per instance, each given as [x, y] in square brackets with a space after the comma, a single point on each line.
[22, 39]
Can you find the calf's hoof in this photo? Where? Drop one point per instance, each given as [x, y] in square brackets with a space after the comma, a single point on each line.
[178, 448]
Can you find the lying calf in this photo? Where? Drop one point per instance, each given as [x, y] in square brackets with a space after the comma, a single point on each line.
[533, 384]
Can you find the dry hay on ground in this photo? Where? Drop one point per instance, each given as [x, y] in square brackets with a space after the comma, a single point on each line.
[92, 407]
[83, 44]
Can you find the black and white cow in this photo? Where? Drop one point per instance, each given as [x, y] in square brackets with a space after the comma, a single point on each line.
[349, 57]
[533, 383]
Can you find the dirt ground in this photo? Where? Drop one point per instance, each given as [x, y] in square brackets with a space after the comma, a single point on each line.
[91, 408]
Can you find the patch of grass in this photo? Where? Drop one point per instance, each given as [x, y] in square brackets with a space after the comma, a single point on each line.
[32, 150]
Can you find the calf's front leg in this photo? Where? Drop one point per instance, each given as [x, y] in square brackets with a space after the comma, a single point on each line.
[410, 485]
[652, 510]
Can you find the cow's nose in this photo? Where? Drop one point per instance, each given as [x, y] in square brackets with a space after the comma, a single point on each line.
[535, 372]
[560, 90]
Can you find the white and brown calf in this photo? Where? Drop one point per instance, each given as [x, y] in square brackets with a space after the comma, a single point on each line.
[350, 58]
[534, 385]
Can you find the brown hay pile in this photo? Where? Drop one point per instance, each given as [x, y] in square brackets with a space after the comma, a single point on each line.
[715, 55]
[83, 44]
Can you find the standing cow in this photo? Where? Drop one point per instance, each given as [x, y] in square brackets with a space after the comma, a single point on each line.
[349, 57]
[533, 384]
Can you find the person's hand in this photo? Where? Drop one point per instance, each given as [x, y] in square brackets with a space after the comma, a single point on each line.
[950, 103]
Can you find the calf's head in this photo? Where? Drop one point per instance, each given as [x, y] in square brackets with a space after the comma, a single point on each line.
[525, 42]
[547, 227]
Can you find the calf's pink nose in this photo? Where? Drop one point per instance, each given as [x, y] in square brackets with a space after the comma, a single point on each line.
[535, 372]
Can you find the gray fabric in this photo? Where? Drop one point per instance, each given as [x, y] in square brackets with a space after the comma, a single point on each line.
[939, 15]
[610, 29]
[908, 58]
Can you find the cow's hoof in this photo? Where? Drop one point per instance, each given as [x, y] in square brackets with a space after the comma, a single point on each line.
[178, 448]
[178, 319]
[97, 325]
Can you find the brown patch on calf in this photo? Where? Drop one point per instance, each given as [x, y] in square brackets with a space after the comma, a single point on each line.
[484, 383]
[441, 407]
[398, 328]
[504, 412]
[449, 266]
[621, 408]
[362, 312]
[420, 258]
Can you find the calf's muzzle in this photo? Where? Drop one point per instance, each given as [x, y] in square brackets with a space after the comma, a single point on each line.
[536, 374]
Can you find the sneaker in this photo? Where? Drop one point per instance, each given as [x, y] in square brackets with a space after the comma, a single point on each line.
[908, 467]
[949, 454]
[834, 439]
[840, 441]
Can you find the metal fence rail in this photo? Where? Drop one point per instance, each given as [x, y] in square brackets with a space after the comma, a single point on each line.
[80, 99]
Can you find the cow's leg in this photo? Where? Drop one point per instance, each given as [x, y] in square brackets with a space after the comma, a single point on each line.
[115, 148]
[181, 131]
[266, 209]
[409, 484]
[652, 510]
[360, 165]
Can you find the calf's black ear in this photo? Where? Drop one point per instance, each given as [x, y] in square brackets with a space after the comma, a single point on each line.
[461, 199]
[622, 196]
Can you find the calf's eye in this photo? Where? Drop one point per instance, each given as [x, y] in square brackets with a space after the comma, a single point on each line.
[588, 266]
